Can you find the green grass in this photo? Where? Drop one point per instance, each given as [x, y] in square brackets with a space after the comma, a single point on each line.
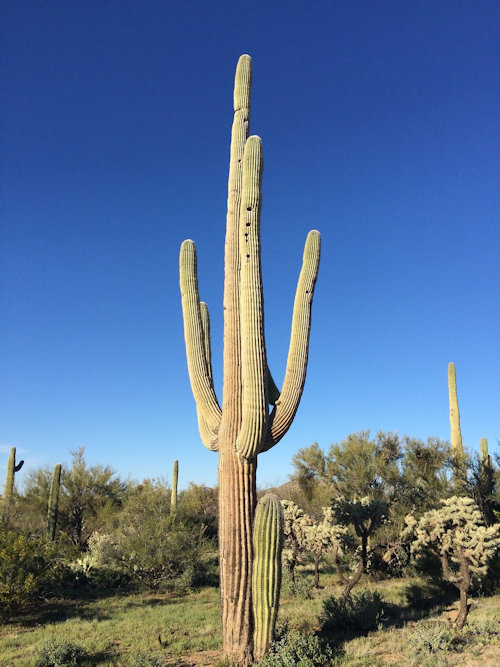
[113, 629]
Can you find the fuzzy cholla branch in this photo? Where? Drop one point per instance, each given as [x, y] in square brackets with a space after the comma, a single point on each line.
[456, 531]
[364, 514]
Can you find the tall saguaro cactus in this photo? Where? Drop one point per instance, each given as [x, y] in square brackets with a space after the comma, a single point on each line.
[8, 492]
[243, 426]
[456, 435]
[53, 504]
[173, 496]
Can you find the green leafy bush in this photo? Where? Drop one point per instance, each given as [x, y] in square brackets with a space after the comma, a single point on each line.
[54, 653]
[302, 588]
[292, 648]
[29, 567]
[430, 637]
[361, 612]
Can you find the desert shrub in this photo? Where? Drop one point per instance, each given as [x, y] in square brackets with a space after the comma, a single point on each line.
[433, 637]
[359, 613]
[59, 653]
[292, 648]
[302, 588]
[430, 637]
[147, 660]
[29, 567]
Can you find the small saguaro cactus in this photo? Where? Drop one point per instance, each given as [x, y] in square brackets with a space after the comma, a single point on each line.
[486, 460]
[242, 426]
[8, 492]
[173, 497]
[53, 505]
[457, 449]
[268, 535]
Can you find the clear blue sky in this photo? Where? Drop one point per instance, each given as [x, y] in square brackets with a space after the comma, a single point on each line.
[380, 128]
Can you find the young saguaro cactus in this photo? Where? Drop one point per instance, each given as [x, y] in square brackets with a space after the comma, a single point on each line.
[243, 427]
[456, 435]
[268, 535]
[486, 460]
[8, 492]
[53, 505]
[173, 497]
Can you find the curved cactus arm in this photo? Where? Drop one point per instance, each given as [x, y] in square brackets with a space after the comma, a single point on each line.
[205, 324]
[199, 374]
[268, 539]
[19, 466]
[296, 365]
[255, 401]
[272, 389]
[208, 435]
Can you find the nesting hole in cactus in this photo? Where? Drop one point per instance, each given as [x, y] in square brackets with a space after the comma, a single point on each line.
[248, 224]
[249, 208]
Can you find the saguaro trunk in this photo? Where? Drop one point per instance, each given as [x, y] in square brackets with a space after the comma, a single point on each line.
[243, 427]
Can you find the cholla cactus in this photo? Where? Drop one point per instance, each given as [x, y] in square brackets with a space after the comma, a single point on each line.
[457, 535]
[365, 515]
[319, 538]
[242, 425]
[295, 525]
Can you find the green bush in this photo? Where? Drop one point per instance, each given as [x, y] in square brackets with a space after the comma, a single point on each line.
[29, 567]
[54, 653]
[433, 637]
[292, 648]
[430, 637]
[147, 660]
[361, 612]
[302, 588]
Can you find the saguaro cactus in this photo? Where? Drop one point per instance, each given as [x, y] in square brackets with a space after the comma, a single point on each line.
[173, 497]
[486, 461]
[53, 505]
[8, 491]
[243, 427]
[456, 435]
[268, 535]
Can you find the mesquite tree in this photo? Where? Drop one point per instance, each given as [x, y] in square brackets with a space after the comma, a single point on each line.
[457, 535]
[242, 427]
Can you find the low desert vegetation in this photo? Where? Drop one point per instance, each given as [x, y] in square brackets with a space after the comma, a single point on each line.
[378, 575]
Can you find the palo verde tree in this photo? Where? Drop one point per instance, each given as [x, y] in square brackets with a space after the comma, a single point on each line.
[456, 534]
[243, 426]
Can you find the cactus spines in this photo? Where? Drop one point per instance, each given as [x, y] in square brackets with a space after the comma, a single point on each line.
[53, 505]
[268, 535]
[242, 426]
[456, 435]
[8, 492]
[173, 497]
